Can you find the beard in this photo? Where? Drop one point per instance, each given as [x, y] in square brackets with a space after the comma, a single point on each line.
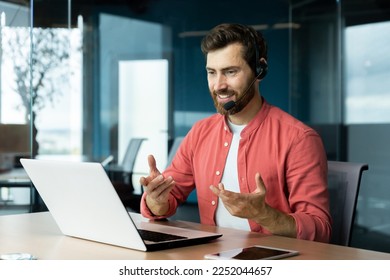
[242, 100]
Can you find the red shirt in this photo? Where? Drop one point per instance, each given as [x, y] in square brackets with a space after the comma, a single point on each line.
[288, 155]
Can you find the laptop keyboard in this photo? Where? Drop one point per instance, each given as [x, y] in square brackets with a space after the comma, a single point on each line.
[155, 236]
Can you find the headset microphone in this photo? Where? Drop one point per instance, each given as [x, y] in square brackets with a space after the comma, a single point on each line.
[229, 105]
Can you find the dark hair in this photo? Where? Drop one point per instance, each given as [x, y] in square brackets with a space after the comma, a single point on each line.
[254, 45]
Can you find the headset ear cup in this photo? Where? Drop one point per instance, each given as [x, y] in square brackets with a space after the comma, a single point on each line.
[262, 70]
[259, 69]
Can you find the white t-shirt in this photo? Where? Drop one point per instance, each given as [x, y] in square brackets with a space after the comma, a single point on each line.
[230, 181]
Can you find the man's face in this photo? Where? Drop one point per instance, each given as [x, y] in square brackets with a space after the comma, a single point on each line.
[229, 76]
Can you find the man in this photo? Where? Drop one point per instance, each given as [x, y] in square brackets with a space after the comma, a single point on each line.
[254, 166]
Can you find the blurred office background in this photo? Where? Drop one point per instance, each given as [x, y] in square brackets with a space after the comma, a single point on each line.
[80, 78]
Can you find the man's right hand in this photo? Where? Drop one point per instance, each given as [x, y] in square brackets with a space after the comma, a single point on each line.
[157, 189]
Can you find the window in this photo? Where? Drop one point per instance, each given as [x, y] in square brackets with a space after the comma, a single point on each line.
[51, 88]
[367, 73]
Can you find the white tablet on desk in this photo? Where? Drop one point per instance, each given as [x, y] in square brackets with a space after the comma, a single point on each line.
[256, 252]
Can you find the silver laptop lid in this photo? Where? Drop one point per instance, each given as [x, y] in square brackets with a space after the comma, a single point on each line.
[84, 204]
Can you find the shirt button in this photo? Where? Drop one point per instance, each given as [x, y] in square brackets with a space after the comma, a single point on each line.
[213, 202]
[226, 144]
[218, 173]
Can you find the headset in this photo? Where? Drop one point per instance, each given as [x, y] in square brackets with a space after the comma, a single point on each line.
[261, 67]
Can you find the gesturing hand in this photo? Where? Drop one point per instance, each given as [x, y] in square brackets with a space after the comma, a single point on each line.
[244, 205]
[157, 188]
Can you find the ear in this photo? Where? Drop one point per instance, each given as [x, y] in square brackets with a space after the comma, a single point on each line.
[263, 68]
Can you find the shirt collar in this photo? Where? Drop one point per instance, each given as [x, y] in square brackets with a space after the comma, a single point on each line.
[256, 121]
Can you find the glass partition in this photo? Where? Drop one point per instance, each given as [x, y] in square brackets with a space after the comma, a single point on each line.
[366, 106]
[41, 95]
[315, 55]
[340, 86]
[16, 192]
[316, 71]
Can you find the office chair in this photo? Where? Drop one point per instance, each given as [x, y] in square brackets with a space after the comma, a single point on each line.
[121, 176]
[343, 184]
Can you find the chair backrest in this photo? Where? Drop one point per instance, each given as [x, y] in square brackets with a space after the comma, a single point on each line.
[131, 154]
[343, 184]
[173, 150]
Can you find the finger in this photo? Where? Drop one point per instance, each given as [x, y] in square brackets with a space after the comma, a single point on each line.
[143, 181]
[152, 164]
[215, 190]
[221, 187]
[155, 183]
[160, 187]
[154, 172]
[260, 187]
[165, 192]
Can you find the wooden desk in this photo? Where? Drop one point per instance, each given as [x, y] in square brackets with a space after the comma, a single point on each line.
[39, 235]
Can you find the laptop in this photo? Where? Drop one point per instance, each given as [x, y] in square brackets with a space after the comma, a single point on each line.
[84, 204]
